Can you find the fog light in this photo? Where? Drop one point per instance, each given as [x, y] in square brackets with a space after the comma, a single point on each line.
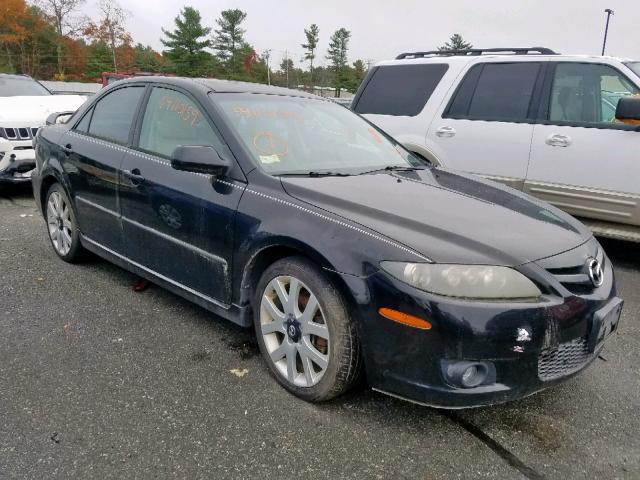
[469, 374]
[473, 376]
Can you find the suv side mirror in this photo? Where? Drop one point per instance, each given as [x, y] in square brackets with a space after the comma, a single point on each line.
[59, 117]
[628, 110]
[199, 159]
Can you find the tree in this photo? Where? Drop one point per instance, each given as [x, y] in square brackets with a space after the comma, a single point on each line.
[12, 30]
[146, 59]
[185, 47]
[456, 42]
[356, 75]
[313, 36]
[98, 60]
[111, 28]
[337, 55]
[229, 39]
[286, 67]
[66, 20]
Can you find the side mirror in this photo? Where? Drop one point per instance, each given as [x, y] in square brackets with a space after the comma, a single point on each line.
[59, 117]
[199, 159]
[628, 110]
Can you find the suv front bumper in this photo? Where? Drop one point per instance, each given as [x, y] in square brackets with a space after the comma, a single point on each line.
[17, 161]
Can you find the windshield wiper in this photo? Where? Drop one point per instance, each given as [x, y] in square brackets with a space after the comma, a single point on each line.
[313, 173]
[394, 168]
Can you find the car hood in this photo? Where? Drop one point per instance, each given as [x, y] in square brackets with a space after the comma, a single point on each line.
[446, 216]
[33, 111]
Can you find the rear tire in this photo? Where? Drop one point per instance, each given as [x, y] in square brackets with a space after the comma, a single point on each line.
[304, 331]
[61, 225]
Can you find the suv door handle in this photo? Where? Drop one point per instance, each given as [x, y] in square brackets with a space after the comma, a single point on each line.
[557, 140]
[445, 132]
[135, 176]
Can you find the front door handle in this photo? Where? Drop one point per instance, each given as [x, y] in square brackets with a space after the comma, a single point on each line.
[68, 149]
[446, 132]
[135, 176]
[557, 140]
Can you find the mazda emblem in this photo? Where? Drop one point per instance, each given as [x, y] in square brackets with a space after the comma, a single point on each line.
[595, 272]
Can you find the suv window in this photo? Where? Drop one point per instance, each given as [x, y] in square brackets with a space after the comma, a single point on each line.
[173, 119]
[587, 93]
[495, 91]
[400, 90]
[635, 66]
[113, 114]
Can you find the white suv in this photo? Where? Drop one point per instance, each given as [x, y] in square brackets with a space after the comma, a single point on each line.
[24, 107]
[538, 121]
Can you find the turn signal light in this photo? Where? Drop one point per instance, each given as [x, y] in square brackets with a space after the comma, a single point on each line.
[404, 318]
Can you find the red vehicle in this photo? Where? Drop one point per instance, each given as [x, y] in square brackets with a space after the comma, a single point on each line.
[109, 77]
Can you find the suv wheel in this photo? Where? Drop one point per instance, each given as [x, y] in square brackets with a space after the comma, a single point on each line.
[61, 224]
[304, 331]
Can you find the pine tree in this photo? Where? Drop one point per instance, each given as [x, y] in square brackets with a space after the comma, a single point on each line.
[229, 40]
[312, 35]
[145, 59]
[337, 55]
[456, 42]
[99, 60]
[185, 47]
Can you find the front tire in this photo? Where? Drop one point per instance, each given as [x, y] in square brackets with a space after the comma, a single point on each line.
[304, 331]
[61, 225]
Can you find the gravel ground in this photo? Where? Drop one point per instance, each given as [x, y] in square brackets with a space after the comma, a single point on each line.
[97, 381]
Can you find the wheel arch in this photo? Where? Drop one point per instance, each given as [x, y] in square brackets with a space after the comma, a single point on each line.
[266, 255]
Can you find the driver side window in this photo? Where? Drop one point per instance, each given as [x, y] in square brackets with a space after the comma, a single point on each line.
[171, 120]
[587, 93]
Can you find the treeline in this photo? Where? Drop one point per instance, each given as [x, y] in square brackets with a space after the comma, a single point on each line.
[53, 39]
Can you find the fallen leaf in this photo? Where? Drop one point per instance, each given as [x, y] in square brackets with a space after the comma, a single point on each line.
[239, 372]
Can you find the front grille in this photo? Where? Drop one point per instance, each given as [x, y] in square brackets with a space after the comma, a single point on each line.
[563, 359]
[575, 278]
[18, 133]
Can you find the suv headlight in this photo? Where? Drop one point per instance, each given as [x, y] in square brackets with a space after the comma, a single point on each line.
[464, 281]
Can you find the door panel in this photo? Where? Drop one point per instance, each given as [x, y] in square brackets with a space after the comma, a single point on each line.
[582, 161]
[94, 153]
[487, 128]
[178, 224]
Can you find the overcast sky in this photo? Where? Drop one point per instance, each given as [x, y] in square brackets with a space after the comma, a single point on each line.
[381, 28]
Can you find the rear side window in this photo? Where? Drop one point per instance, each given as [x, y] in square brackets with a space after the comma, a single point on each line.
[171, 120]
[83, 125]
[400, 90]
[113, 114]
[496, 91]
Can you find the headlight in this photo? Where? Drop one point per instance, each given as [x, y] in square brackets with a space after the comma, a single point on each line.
[464, 281]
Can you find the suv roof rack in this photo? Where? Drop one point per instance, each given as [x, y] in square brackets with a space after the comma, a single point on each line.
[477, 51]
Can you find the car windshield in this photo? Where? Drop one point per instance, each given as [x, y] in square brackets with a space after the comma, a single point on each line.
[291, 135]
[635, 66]
[17, 87]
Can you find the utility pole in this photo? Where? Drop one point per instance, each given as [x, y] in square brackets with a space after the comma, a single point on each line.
[609, 12]
[267, 54]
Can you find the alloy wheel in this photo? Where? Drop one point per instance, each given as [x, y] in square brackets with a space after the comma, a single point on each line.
[294, 331]
[59, 223]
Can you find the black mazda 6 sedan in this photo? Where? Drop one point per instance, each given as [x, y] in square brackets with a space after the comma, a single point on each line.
[348, 254]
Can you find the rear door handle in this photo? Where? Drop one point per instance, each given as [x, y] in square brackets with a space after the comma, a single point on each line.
[446, 132]
[557, 140]
[135, 176]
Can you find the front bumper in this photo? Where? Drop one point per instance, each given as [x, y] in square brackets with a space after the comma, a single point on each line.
[411, 363]
[17, 161]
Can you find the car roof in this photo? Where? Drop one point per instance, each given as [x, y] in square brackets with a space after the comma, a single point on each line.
[464, 59]
[15, 75]
[222, 86]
